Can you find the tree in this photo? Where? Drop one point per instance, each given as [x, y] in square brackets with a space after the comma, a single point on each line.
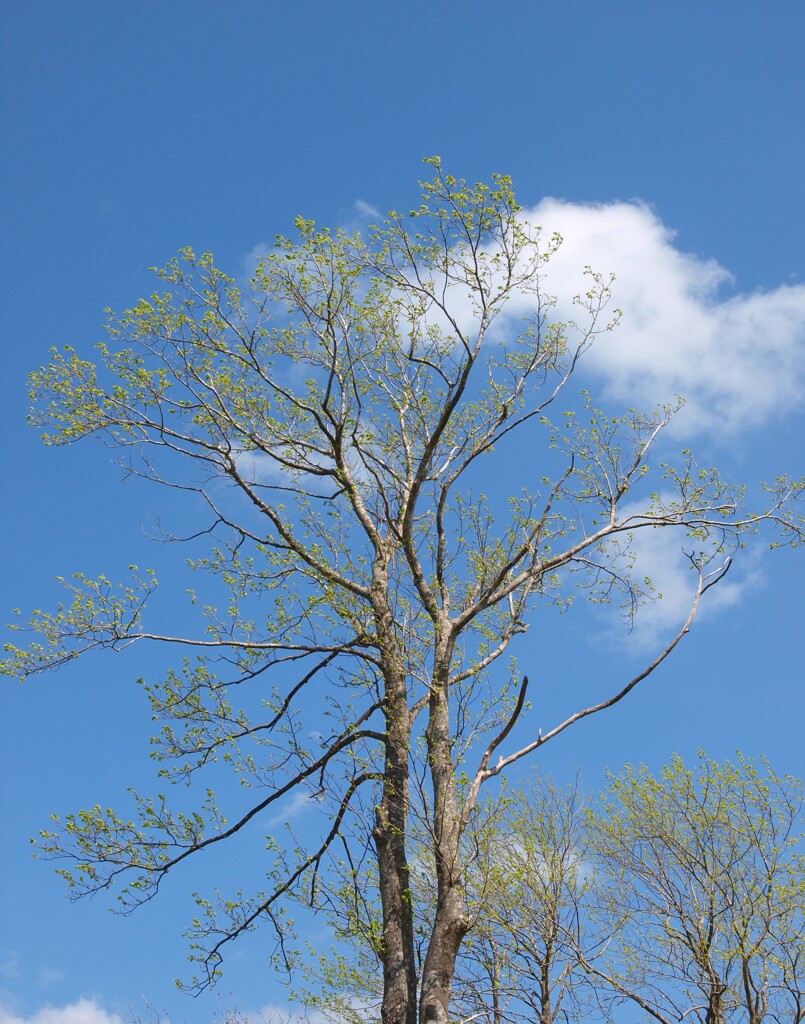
[337, 423]
[530, 889]
[681, 894]
[705, 892]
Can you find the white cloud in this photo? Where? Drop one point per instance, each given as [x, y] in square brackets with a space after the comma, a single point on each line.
[84, 1011]
[87, 1011]
[250, 261]
[737, 359]
[300, 803]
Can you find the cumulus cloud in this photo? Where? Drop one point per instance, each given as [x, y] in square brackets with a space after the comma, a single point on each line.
[84, 1011]
[738, 359]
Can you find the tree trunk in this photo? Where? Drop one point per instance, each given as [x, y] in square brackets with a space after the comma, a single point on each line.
[450, 923]
[399, 973]
[715, 1001]
[399, 967]
[449, 929]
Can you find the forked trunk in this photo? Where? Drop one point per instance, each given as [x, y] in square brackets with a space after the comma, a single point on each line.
[449, 929]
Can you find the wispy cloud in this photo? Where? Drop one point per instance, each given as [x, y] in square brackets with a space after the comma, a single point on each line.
[300, 804]
[51, 976]
[10, 966]
[661, 556]
[250, 261]
[366, 211]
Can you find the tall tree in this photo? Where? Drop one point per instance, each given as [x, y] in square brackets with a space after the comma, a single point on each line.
[338, 422]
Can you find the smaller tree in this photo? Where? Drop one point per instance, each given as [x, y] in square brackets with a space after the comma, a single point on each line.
[528, 887]
[682, 894]
[705, 892]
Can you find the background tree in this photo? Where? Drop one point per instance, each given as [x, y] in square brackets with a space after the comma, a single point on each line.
[706, 891]
[338, 424]
[682, 894]
[529, 893]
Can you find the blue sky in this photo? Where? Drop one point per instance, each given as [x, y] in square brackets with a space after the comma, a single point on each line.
[130, 130]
